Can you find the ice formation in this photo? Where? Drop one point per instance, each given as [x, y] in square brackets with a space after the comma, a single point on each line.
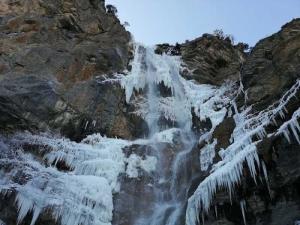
[149, 68]
[83, 196]
[135, 162]
[207, 155]
[243, 209]
[227, 172]
[291, 124]
[73, 199]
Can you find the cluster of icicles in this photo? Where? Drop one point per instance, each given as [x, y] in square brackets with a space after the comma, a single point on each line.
[85, 195]
[228, 172]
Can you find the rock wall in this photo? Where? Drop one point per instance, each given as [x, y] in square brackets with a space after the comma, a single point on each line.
[53, 55]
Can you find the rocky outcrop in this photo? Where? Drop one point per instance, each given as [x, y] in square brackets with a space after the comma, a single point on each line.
[52, 55]
[209, 59]
[212, 60]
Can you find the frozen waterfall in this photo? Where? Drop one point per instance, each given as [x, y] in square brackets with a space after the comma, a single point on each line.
[82, 193]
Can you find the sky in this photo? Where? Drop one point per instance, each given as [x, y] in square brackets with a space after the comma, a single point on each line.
[170, 21]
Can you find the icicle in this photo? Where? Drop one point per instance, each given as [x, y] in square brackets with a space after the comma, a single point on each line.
[293, 125]
[266, 176]
[86, 125]
[203, 218]
[243, 208]
[24, 207]
[216, 211]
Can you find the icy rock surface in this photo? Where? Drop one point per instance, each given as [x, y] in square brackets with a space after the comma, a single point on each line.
[82, 196]
[228, 172]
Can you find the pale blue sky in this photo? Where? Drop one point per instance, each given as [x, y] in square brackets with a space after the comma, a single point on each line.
[158, 21]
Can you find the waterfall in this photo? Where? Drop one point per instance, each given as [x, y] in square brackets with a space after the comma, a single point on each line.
[166, 101]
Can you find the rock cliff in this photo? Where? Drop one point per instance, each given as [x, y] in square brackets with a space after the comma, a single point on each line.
[59, 60]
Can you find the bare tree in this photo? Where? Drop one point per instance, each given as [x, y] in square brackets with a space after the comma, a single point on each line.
[219, 33]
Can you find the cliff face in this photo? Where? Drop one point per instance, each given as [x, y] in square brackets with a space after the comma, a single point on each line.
[273, 66]
[53, 56]
[58, 61]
